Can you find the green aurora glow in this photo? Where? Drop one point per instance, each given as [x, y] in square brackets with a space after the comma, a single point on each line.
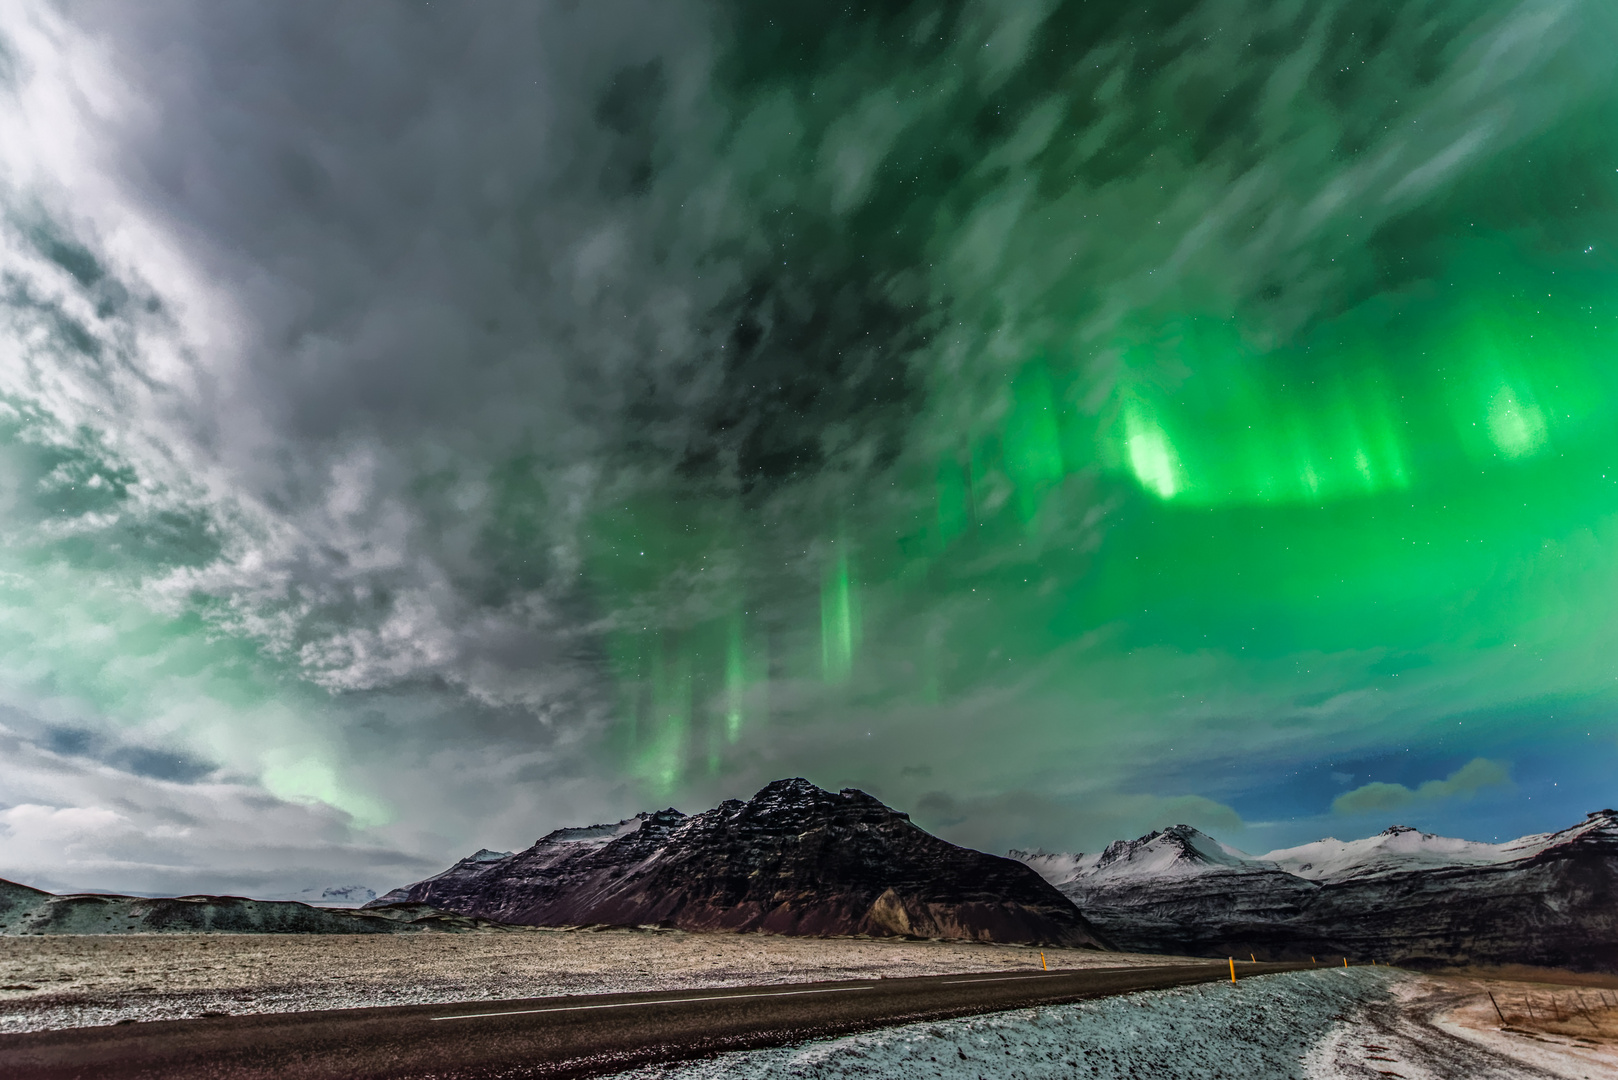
[1279, 473]
[1099, 415]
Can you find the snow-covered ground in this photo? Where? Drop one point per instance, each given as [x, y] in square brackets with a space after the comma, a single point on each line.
[1257, 1029]
[1359, 1024]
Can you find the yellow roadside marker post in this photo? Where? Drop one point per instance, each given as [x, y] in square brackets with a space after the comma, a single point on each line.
[1042, 962]
[1233, 969]
[1252, 957]
[1345, 961]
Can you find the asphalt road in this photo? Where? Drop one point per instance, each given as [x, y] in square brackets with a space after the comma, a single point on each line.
[550, 1037]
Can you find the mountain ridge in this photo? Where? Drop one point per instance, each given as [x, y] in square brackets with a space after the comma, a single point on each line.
[794, 859]
[1401, 896]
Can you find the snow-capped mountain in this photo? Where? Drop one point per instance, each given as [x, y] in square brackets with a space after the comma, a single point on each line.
[1156, 891]
[1398, 850]
[330, 896]
[795, 859]
[1403, 896]
[1175, 852]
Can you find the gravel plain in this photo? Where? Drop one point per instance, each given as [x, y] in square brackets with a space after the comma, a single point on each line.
[62, 981]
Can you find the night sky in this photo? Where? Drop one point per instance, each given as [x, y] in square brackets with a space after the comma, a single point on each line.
[424, 425]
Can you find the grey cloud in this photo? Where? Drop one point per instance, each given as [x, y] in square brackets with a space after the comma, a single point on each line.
[67, 824]
[414, 219]
[1028, 820]
[474, 273]
[427, 298]
[156, 763]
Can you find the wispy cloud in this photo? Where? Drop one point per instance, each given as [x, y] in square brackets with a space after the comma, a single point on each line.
[1464, 783]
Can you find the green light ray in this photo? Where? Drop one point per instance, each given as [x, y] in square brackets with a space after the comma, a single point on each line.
[839, 620]
[735, 681]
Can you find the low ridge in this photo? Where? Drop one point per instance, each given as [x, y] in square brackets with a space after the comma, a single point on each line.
[26, 911]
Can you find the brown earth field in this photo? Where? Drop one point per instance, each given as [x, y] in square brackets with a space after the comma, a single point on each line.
[1482, 1024]
[61, 981]
[1564, 1022]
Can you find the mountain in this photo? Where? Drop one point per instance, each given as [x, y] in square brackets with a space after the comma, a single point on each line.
[332, 896]
[1399, 850]
[1402, 896]
[795, 859]
[32, 911]
[1155, 894]
[560, 863]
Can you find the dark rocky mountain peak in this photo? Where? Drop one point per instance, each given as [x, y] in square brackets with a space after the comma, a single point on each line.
[1121, 849]
[793, 859]
[790, 789]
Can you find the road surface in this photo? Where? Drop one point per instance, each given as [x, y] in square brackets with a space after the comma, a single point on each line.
[550, 1037]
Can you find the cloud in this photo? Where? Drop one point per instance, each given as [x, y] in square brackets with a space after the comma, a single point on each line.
[70, 824]
[456, 422]
[1463, 783]
[1026, 819]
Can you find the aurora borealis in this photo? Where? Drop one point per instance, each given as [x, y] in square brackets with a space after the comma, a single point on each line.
[422, 427]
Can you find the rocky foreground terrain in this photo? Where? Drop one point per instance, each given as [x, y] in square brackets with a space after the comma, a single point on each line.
[795, 859]
[1403, 897]
[60, 981]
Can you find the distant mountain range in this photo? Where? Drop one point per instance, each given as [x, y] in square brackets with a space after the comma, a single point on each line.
[331, 896]
[795, 859]
[32, 911]
[1402, 896]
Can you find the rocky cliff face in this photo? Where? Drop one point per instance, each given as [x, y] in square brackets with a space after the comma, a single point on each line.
[1401, 897]
[795, 859]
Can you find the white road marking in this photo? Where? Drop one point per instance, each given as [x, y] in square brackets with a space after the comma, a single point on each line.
[658, 1001]
[1007, 978]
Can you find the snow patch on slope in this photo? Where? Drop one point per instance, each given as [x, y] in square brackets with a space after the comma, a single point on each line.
[1393, 851]
[591, 835]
